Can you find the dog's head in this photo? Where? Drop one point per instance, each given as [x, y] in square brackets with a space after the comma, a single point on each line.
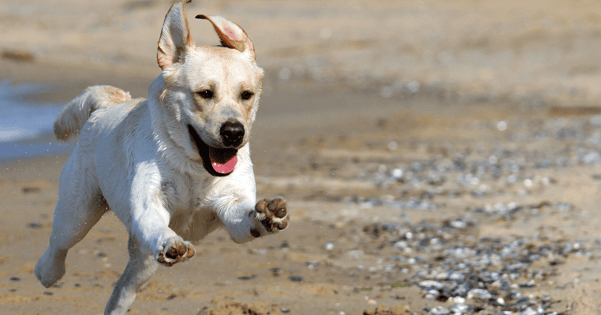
[211, 94]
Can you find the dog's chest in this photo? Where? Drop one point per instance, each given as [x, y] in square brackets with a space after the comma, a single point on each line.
[184, 193]
[185, 199]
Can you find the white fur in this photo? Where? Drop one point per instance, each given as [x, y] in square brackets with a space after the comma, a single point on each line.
[136, 158]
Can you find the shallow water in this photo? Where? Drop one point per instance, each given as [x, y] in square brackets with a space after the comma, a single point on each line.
[25, 125]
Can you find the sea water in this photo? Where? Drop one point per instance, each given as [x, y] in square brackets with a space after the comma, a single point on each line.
[26, 127]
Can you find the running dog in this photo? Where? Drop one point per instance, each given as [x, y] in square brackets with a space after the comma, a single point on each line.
[174, 167]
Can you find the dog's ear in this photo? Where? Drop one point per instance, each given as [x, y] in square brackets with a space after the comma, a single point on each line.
[175, 36]
[230, 34]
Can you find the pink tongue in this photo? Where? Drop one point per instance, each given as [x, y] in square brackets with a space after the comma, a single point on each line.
[226, 168]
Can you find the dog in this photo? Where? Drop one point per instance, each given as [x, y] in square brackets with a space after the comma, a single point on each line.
[174, 167]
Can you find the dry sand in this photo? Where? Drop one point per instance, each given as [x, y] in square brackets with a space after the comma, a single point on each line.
[344, 79]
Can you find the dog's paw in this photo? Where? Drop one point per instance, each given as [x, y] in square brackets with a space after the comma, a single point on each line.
[175, 250]
[50, 268]
[272, 214]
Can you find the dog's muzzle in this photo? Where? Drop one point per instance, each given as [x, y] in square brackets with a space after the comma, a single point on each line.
[218, 162]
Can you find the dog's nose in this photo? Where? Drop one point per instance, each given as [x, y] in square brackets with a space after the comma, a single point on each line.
[232, 133]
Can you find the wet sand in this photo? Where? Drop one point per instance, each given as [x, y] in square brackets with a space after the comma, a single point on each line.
[409, 139]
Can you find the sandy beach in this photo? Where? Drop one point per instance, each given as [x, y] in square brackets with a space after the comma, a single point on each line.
[438, 158]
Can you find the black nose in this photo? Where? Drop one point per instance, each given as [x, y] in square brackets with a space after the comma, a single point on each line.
[232, 133]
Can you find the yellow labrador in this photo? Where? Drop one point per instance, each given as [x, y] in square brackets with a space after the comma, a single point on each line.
[174, 167]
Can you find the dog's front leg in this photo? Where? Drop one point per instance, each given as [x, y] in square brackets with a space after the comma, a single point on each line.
[234, 201]
[150, 218]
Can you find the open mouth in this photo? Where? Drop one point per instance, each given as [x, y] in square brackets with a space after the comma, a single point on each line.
[218, 162]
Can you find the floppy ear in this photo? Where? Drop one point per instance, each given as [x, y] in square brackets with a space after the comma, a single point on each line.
[230, 34]
[175, 36]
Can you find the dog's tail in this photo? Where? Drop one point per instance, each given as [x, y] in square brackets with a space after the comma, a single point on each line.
[75, 114]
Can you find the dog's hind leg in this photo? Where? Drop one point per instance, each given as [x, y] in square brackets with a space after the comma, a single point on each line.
[79, 207]
[139, 269]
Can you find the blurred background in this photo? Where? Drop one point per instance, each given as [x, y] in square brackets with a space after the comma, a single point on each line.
[478, 119]
[543, 53]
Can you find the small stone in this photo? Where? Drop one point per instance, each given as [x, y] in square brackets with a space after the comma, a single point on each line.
[479, 294]
[430, 284]
[439, 310]
[459, 224]
[311, 263]
[442, 276]
[459, 308]
[529, 284]
[514, 295]
[434, 292]
[400, 245]
[355, 254]
[529, 311]
[28, 190]
[457, 277]
[243, 278]
[392, 145]
[34, 225]
[296, 279]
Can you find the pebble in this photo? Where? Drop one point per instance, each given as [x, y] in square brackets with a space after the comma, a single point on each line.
[355, 254]
[311, 263]
[429, 284]
[296, 279]
[400, 245]
[459, 224]
[34, 225]
[492, 164]
[457, 300]
[479, 294]
[529, 311]
[459, 308]
[446, 259]
[439, 310]
[469, 271]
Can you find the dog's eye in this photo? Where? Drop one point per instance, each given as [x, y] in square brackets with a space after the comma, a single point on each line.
[206, 94]
[246, 95]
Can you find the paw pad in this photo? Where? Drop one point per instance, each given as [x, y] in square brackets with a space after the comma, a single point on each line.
[177, 251]
[272, 214]
[255, 233]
